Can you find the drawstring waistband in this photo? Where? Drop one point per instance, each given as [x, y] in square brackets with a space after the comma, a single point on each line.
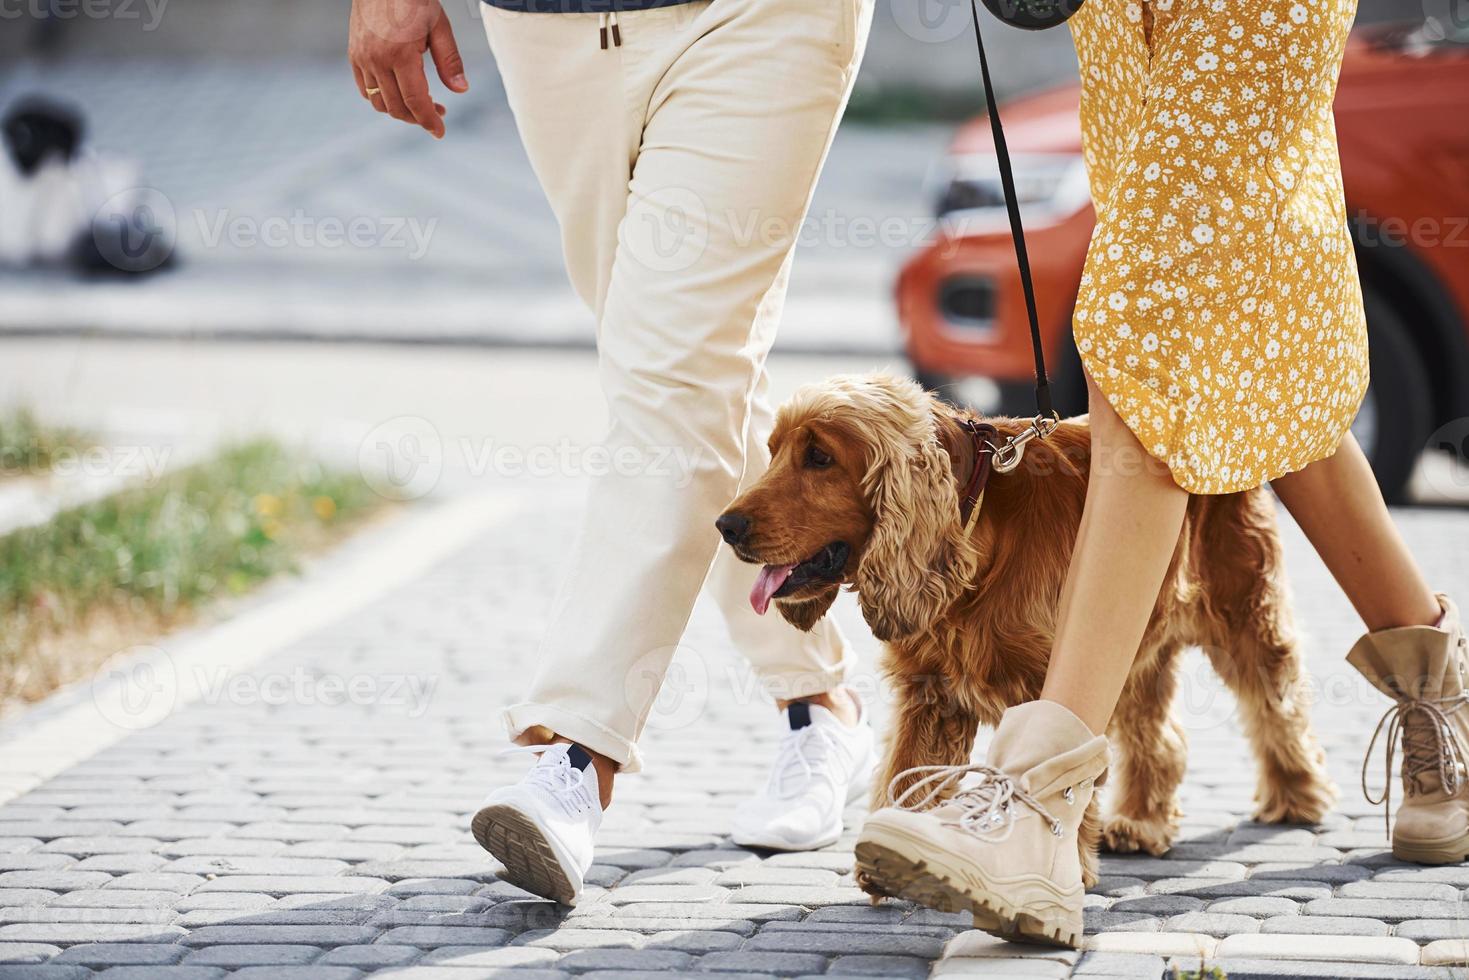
[604, 22]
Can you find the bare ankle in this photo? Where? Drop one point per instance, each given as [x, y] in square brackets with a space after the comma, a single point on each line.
[840, 701]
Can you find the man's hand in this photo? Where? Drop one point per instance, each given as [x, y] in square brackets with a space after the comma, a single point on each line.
[386, 45]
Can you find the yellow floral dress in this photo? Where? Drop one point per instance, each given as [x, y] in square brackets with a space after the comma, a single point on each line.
[1220, 311]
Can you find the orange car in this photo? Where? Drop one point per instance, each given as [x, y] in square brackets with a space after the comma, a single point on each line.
[1401, 125]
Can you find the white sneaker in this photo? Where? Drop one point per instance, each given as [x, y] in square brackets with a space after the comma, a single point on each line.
[542, 828]
[821, 766]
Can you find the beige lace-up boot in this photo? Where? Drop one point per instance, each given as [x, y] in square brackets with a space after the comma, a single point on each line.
[1004, 844]
[1425, 669]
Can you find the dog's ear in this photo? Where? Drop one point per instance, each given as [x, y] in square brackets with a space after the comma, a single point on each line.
[918, 559]
[806, 613]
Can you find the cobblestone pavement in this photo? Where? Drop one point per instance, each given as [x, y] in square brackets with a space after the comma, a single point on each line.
[260, 833]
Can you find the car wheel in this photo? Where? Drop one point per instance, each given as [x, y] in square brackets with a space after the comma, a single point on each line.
[1397, 412]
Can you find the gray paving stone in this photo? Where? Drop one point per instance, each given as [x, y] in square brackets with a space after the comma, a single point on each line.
[44, 971]
[490, 956]
[198, 866]
[913, 967]
[845, 941]
[240, 955]
[764, 962]
[372, 956]
[1252, 969]
[1212, 923]
[289, 884]
[121, 864]
[161, 973]
[315, 971]
[425, 937]
[1335, 874]
[624, 959]
[1259, 906]
[309, 935]
[100, 955]
[425, 972]
[25, 896]
[54, 880]
[1137, 965]
[573, 938]
[1326, 925]
[27, 952]
[694, 941]
[1393, 890]
[1157, 905]
[1429, 930]
[1109, 921]
[1394, 910]
[70, 934]
[115, 898]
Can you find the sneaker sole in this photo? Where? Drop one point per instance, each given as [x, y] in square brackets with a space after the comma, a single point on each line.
[897, 875]
[516, 841]
[1432, 852]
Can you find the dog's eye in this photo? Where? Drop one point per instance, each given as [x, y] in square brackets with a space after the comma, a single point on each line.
[816, 459]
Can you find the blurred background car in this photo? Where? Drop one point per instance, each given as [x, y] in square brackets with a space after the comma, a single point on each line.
[1405, 163]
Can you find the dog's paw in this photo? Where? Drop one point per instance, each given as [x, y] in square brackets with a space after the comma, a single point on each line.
[1123, 835]
[1303, 801]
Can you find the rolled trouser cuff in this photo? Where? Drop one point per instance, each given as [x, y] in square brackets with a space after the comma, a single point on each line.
[790, 684]
[584, 731]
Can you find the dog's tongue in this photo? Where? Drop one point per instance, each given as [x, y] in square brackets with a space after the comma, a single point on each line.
[772, 577]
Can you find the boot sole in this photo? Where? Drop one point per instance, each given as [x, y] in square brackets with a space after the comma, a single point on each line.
[518, 843]
[892, 872]
[1432, 852]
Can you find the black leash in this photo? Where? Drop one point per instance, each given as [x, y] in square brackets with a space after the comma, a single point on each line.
[1008, 456]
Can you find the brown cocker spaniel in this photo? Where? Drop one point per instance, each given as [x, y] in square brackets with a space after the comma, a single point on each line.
[864, 491]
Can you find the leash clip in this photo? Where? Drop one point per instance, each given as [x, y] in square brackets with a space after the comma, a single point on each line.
[1008, 456]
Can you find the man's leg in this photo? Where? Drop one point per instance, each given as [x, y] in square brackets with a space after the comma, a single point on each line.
[791, 664]
[737, 102]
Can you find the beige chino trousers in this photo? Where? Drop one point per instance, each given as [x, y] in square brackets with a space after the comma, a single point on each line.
[680, 164]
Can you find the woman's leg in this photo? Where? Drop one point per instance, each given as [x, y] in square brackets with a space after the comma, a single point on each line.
[1338, 505]
[1129, 530]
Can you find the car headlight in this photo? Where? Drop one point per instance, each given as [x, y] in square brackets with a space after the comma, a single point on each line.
[1050, 186]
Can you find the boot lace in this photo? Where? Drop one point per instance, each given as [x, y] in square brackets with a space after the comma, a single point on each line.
[1423, 728]
[986, 805]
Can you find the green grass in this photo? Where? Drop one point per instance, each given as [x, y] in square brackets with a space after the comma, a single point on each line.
[28, 447]
[107, 574]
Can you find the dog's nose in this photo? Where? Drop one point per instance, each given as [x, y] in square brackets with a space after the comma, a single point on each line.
[733, 527]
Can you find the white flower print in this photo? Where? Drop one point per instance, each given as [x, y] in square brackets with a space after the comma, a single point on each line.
[1226, 332]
